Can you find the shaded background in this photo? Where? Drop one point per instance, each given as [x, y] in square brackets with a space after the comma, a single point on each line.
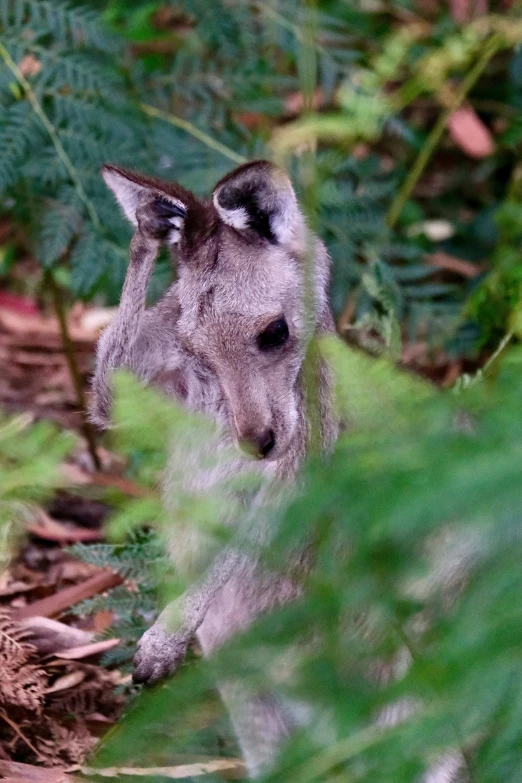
[401, 125]
[410, 112]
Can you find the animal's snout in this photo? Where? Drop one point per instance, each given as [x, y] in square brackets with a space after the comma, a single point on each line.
[266, 443]
[258, 444]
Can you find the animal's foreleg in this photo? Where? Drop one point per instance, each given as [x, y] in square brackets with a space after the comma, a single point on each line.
[116, 347]
[162, 649]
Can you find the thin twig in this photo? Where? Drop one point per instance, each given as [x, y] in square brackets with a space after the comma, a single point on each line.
[51, 130]
[429, 146]
[20, 733]
[191, 129]
[500, 347]
[308, 176]
[514, 189]
[177, 772]
[342, 751]
[68, 348]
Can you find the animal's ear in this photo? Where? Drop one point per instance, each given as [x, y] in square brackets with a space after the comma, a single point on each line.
[170, 202]
[259, 197]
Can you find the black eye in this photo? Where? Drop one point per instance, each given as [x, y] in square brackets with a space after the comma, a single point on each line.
[275, 335]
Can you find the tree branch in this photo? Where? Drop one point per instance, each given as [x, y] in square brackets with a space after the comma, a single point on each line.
[191, 129]
[74, 370]
[429, 146]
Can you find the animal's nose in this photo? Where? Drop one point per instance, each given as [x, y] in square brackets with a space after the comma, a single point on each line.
[259, 444]
[266, 443]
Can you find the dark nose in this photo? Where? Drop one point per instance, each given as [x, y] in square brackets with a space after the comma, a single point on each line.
[260, 444]
[266, 443]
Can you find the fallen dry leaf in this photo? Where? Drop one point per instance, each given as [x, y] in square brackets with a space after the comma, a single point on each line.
[51, 530]
[30, 66]
[48, 635]
[64, 599]
[19, 304]
[32, 774]
[470, 134]
[412, 352]
[466, 10]
[75, 476]
[453, 264]
[97, 318]
[102, 620]
[452, 373]
[13, 588]
[294, 103]
[223, 766]
[36, 375]
[67, 681]
[87, 649]
[436, 230]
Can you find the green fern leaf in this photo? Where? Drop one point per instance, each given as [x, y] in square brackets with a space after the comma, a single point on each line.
[59, 226]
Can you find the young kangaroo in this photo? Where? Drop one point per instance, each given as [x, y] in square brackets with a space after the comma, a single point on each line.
[227, 339]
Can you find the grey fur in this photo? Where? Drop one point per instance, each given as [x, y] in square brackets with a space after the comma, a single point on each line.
[242, 262]
[241, 265]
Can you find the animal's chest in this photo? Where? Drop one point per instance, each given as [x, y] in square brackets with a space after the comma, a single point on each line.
[209, 486]
[208, 489]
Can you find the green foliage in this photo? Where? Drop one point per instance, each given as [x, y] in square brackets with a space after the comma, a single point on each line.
[29, 458]
[416, 513]
[225, 75]
[414, 598]
[138, 556]
[186, 450]
[497, 304]
[140, 560]
[65, 110]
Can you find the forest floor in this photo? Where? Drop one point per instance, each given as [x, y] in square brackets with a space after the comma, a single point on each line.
[56, 697]
[49, 658]
[57, 694]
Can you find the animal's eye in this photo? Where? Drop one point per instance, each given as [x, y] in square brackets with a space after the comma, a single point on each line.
[275, 335]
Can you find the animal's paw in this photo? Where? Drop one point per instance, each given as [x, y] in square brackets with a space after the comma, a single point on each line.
[159, 653]
[160, 218]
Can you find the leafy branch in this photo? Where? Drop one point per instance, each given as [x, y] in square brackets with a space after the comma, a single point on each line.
[51, 130]
[491, 47]
[190, 128]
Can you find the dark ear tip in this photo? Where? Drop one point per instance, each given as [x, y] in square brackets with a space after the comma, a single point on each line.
[110, 168]
[107, 169]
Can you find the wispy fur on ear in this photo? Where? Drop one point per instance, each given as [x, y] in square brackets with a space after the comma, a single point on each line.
[129, 187]
[259, 197]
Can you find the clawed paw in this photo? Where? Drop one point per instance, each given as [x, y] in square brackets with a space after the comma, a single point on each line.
[159, 654]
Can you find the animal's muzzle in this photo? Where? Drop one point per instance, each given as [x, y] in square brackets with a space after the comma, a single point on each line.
[258, 444]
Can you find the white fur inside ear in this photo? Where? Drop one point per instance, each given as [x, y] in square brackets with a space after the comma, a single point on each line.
[237, 218]
[126, 191]
[177, 223]
[287, 222]
[174, 236]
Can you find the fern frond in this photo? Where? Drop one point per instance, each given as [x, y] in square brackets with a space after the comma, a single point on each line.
[17, 134]
[59, 226]
[22, 683]
[69, 25]
[87, 264]
[81, 73]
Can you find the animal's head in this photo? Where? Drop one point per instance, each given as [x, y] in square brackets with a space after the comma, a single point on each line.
[242, 278]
